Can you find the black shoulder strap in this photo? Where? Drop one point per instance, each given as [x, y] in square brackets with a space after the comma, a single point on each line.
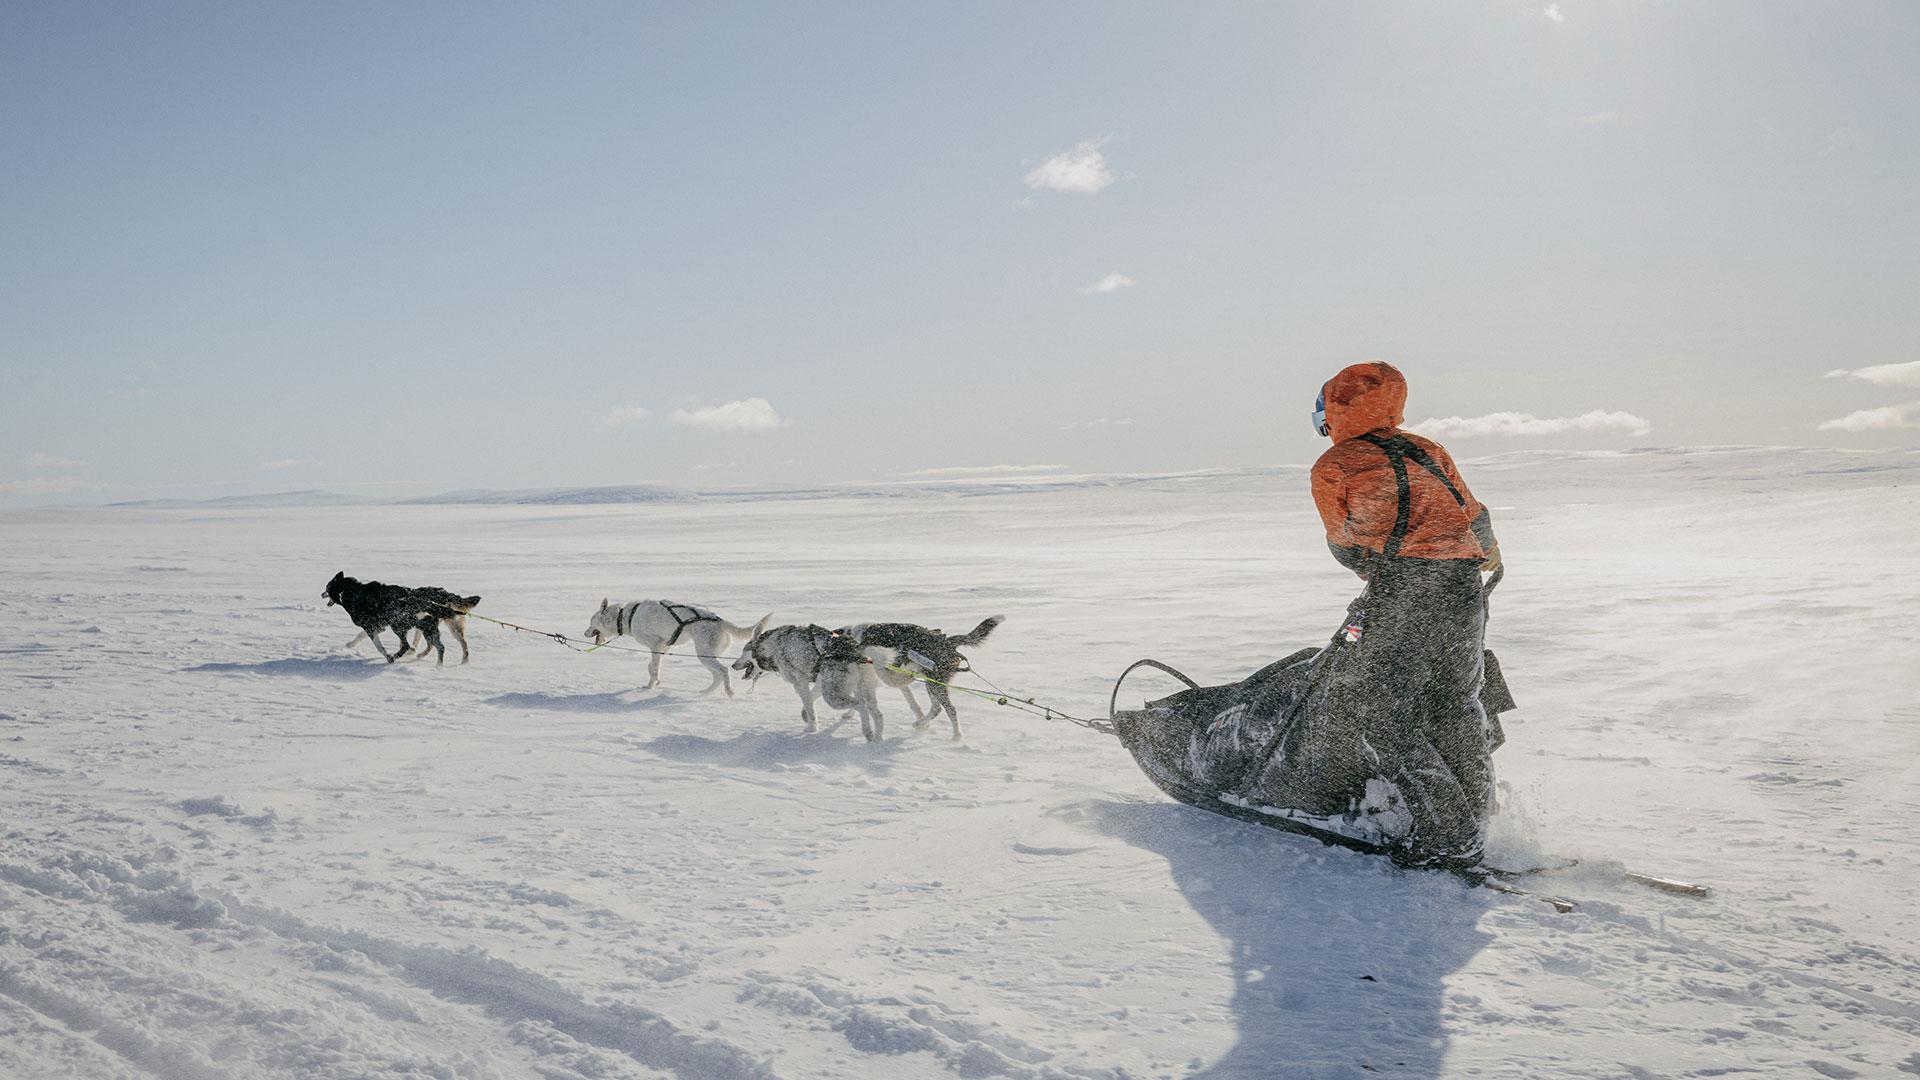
[1398, 450]
[1396, 456]
[1420, 458]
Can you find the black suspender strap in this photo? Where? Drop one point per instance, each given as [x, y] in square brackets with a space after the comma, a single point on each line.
[1398, 450]
[1420, 457]
[1396, 456]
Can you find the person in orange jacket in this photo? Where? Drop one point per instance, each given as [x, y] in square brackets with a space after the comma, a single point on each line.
[1375, 473]
[1398, 514]
[1382, 739]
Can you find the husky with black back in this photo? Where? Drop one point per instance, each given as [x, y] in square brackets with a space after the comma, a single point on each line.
[661, 624]
[904, 654]
[458, 606]
[818, 662]
[375, 606]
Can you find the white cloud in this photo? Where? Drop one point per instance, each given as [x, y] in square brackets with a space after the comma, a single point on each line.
[286, 463]
[55, 486]
[1104, 421]
[625, 414]
[1551, 13]
[1110, 283]
[1907, 374]
[38, 460]
[751, 414]
[984, 470]
[1081, 170]
[1519, 423]
[1884, 418]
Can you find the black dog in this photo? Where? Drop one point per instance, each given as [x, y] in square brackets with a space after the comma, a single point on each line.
[925, 651]
[374, 606]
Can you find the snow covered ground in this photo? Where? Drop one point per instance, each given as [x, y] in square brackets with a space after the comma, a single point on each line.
[232, 848]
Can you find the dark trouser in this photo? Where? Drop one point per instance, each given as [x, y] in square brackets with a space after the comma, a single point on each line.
[1414, 695]
[1401, 704]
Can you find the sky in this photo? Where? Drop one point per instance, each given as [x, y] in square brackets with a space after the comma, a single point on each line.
[402, 249]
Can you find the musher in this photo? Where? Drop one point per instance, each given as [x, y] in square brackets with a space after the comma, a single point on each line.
[1398, 514]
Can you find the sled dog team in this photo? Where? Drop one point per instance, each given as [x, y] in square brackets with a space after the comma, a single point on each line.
[845, 667]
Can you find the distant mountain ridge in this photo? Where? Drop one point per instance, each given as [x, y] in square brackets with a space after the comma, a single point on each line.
[1751, 462]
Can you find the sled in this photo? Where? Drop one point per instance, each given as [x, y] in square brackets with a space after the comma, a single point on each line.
[1158, 736]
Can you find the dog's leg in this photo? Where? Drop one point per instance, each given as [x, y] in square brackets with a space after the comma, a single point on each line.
[430, 631]
[943, 701]
[653, 663]
[459, 624]
[806, 708]
[920, 719]
[362, 636]
[374, 636]
[871, 704]
[707, 648]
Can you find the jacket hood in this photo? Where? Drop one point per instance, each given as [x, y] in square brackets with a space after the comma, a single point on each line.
[1365, 397]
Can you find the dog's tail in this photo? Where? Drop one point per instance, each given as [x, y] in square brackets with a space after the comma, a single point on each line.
[979, 633]
[748, 632]
[456, 605]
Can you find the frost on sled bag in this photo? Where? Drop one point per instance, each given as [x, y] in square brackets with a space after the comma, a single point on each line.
[1381, 740]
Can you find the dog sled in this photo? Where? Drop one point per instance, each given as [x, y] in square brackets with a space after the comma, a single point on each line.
[1365, 742]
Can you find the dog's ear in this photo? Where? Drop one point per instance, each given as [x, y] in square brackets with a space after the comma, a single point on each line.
[603, 603]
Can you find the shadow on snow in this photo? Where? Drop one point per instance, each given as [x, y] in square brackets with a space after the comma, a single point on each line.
[615, 701]
[1339, 960]
[333, 667]
[778, 751]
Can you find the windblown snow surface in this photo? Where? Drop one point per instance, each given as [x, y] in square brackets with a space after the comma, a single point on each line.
[234, 848]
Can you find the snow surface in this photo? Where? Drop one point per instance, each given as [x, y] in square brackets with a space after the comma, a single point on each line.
[232, 848]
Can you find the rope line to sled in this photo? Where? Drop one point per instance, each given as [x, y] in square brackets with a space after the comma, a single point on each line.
[999, 697]
[580, 645]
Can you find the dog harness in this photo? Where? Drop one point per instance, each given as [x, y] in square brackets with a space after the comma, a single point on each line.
[623, 618]
[694, 615]
[838, 646]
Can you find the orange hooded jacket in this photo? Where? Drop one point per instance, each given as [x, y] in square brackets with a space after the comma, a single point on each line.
[1357, 494]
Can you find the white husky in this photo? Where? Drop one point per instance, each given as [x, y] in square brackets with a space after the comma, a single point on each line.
[660, 624]
[818, 662]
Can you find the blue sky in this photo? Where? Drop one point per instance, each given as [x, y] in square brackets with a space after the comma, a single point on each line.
[419, 247]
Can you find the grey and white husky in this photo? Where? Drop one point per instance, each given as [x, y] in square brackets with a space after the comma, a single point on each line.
[903, 651]
[818, 663]
[660, 624]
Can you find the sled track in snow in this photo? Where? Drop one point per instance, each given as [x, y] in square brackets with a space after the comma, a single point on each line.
[511, 993]
[503, 991]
